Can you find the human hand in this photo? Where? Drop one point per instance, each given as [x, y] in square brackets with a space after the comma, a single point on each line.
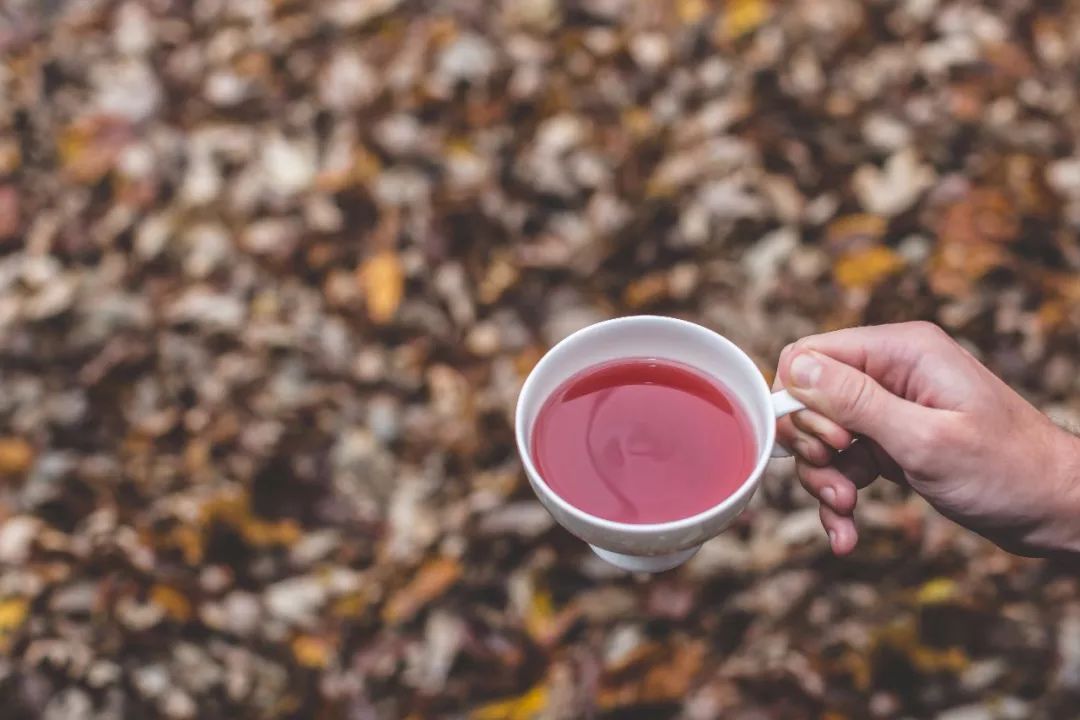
[923, 412]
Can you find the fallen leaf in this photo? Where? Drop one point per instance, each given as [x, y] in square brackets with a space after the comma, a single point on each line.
[690, 11]
[955, 267]
[867, 268]
[16, 455]
[855, 231]
[936, 591]
[351, 605]
[10, 214]
[1052, 314]
[526, 707]
[664, 681]
[10, 156]
[383, 281]
[984, 215]
[543, 623]
[893, 189]
[501, 274]
[89, 147]
[646, 290]
[741, 17]
[902, 636]
[172, 601]
[312, 651]
[13, 612]
[433, 579]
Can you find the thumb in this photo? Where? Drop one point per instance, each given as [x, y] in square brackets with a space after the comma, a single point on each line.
[853, 399]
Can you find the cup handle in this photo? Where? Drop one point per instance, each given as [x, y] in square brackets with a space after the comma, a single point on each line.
[783, 404]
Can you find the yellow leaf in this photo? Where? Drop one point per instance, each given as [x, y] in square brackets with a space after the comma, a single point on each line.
[541, 611]
[638, 121]
[312, 651]
[646, 290]
[526, 360]
[868, 267]
[690, 11]
[10, 156]
[671, 680]
[13, 613]
[433, 579]
[936, 591]
[743, 16]
[172, 601]
[383, 280]
[526, 707]
[16, 455]
[89, 147]
[190, 543]
[351, 605]
[851, 231]
[500, 275]
[903, 636]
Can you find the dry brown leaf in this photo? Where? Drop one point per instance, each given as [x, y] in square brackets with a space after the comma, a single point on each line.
[956, 266]
[690, 11]
[967, 101]
[663, 681]
[671, 680]
[902, 636]
[234, 509]
[985, 215]
[526, 707]
[10, 156]
[646, 290]
[741, 17]
[433, 579]
[351, 605]
[89, 147]
[16, 456]
[13, 612]
[10, 212]
[525, 360]
[1026, 180]
[867, 268]
[849, 232]
[312, 651]
[382, 279]
[1052, 314]
[936, 591]
[172, 601]
[544, 624]
[501, 274]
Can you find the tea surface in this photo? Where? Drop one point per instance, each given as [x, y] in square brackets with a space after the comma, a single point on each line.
[643, 441]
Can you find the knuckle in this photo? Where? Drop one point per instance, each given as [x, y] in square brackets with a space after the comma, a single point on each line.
[927, 330]
[798, 346]
[854, 395]
[846, 498]
[930, 437]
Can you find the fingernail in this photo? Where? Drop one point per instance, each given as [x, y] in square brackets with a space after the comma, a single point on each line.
[832, 537]
[829, 495]
[805, 371]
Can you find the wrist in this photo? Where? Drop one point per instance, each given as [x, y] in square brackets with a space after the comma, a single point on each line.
[1067, 470]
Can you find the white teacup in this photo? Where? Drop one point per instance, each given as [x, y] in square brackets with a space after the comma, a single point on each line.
[652, 547]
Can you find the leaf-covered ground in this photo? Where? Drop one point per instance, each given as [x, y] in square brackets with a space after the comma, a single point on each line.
[271, 273]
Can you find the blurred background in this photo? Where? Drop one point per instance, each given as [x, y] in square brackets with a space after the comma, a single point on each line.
[272, 272]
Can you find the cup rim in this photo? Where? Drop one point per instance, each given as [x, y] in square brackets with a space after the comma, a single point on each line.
[741, 495]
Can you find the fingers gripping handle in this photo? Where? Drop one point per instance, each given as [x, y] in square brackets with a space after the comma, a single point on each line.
[783, 404]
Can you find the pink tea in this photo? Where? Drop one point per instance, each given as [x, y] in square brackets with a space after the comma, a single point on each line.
[643, 441]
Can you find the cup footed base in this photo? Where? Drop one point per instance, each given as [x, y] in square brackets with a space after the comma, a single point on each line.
[646, 563]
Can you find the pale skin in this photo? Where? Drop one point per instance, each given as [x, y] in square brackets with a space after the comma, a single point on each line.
[906, 402]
